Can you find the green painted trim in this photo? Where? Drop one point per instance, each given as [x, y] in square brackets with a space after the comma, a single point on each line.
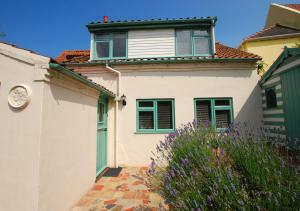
[155, 119]
[169, 61]
[80, 78]
[102, 126]
[278, 107]
[111, 45]
[153, 24]
[273, 123]
[268, 86]
[273, 115]
[215, 108]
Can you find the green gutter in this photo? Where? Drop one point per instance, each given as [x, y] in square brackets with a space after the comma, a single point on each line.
[191, 22]
[80, 78]
[163, 61]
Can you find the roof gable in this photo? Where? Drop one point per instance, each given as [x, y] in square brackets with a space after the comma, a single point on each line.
[274, 30]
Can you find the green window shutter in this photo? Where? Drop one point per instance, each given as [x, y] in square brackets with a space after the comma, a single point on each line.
[223, 118]
[203, 112]
[164, 115]
[155, 116]
[146, 120]
[217, 111]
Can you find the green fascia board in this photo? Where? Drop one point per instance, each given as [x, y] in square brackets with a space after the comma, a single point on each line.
[283, 56]
[165, 61]
[177, 23]
[80, 78]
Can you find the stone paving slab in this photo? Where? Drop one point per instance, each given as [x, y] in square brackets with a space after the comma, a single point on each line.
[127, 192]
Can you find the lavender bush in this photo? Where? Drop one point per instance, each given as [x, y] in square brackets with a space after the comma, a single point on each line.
[238, 169]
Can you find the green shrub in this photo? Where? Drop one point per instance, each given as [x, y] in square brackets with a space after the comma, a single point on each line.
[201, 169]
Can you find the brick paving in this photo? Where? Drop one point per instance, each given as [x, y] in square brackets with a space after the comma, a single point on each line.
[127, 192]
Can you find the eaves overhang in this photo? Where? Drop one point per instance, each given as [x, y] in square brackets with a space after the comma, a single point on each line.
[162, 61]
[69, 72]
[151, 24]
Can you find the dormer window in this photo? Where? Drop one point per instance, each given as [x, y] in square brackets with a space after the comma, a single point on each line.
[110, 45]
[193, 42]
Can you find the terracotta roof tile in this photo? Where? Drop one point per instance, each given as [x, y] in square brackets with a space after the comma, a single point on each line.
[222, 52]
[293, 6]
[274, 30]
[70, 54]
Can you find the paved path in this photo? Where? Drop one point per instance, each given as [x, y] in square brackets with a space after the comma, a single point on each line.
[126, 192]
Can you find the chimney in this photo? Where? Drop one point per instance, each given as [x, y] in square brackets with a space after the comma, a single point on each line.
[105, 19]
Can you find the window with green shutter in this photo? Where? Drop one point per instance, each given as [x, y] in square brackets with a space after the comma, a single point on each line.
[155, 116]
[214, 111]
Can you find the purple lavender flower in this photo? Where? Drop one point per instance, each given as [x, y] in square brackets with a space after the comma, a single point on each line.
[184, 162]
[173, 192]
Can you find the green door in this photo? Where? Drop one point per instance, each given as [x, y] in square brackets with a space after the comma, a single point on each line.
[291, 101]
[101, 135]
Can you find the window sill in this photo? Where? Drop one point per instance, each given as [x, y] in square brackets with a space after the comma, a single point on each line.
[154, 132]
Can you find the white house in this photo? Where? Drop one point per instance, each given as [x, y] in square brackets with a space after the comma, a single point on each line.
[165, 73]
[48, 132]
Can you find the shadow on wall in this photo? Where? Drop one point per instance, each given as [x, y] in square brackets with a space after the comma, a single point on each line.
[252, 109]
[202, 73]
[64, 94]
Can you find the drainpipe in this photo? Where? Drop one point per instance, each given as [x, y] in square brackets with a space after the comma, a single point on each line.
[117, 112]
[213, 38]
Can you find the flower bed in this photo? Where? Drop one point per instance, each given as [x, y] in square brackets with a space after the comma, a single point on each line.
[201, 169]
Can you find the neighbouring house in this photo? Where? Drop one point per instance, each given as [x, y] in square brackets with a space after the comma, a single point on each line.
[165, 73]
[48, 132]
[282, 28]
[281, 96]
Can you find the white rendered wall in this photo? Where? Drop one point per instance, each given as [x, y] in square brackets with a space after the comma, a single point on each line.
[68, 145]
[20, 133]
[183, 82]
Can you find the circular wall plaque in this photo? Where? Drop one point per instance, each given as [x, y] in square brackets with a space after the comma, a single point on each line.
[19, 96]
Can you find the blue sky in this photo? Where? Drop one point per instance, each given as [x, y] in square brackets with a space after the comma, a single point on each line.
[48, 27]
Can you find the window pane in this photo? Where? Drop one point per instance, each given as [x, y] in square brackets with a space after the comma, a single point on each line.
[102, 36]
[200, 32]
[201, 45]
[146, 104]
[119, 45]
[222, 102]
[271, 98]
[146, 120]
[102, 49]
[164, 115]
[101, 112]
[223, 118]
[203, 112]
[184, 45]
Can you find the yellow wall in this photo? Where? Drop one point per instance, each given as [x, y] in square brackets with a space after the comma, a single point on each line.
[269, 50]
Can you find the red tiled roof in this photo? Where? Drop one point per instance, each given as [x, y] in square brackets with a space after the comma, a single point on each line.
[293, 6]
[222, 52]
[68, 55]
[274, 30]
